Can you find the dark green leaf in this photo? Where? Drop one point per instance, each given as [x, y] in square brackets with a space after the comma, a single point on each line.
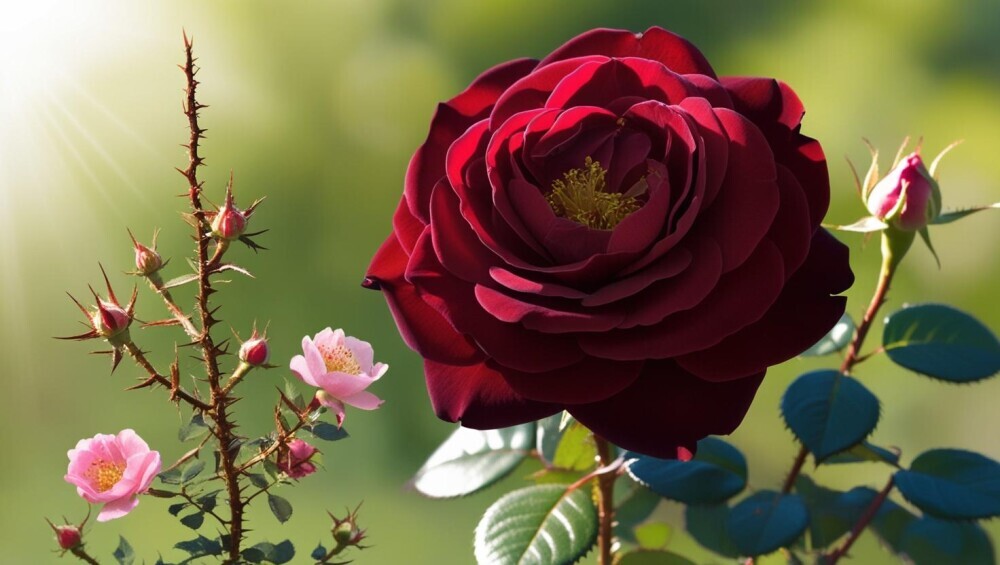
[200, 546]
[576, 450]
[647, 557]
[258, 480]
[194, 521]
[318, 553]
[281, 508]
[717, 473]
[192, 470]
[835, 340]
[253, 555]
[929, 541]
[268, 552]
[766, 521]
[549, 432]
[327, 432]
[707, 525]
[124, 554]
[890, 522]
[829, 412]
[209, 500]
[194, 428]
[865, 451]
[283, 553]
[634, 503]
[272, 469]
[952, 484]
[470, 460]
[941, 342]
[171, 477]
[538, 524]
[831, 513]
[175, 509]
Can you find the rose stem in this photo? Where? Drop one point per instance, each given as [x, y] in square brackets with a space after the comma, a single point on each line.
[219, 400]
[860, 526]
[82, 555]
[606, 511]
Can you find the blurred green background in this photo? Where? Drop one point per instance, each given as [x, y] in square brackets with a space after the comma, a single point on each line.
[318, 105]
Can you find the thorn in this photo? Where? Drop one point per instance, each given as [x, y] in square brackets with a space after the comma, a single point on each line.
[78, 305]
[111, 292]
[116, 358]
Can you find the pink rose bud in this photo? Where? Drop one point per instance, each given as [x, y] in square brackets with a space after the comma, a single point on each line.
[294, 460]
[229, 222]
[255, 351]
[68, 536]
[908, 197]
[147, 260]
[110, 319]
[112, 470]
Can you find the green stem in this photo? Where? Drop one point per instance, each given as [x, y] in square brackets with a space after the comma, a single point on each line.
[82, 555]
[606, 503]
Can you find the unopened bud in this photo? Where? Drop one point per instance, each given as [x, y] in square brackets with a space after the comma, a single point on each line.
[343, 533]
[229, 224]
[68, 536]
[255, 351]
[147, 261]
[110, 319]
[346, 531]
[908, 197]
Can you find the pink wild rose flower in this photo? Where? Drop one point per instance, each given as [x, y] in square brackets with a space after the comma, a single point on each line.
[342, 367]
[295, 460]
[112, 470]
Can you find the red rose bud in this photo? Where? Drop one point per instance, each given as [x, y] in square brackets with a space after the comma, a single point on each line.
[255, 351]
[147, 260]
[110, 319]
[230, 222]
[68, 536]
[908, 197]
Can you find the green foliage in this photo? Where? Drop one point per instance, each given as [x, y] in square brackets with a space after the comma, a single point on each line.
[952, 484]
[470, 460]
[549, 432]
[539, 525]
[124, 554]
[829, 412]
[266, 552]
[194, 521]
[192, 470]
[200, 547]
[865, 452]
[836, 339]
[717, 473]
[648, 557]
[195, 427]
[708, 525]
[653, 535]
[941, 342]
[280, 507]
[327, 432]
[766, 521]
[831, 513]
[634, 503]
[929, 541]
[576, 450]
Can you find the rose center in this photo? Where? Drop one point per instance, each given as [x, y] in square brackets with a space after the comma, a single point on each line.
[582, 196]
[340, 359]
[105, 474]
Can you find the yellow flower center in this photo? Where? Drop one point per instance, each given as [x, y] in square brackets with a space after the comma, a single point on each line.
[340, 359]
[582, 196]
[105, 474]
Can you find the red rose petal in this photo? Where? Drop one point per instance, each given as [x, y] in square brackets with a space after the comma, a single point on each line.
[531, 91]
[450, 120]
[479, 397]
[422, 328]
[668, 407]
[601, 83]
[590, 380]
[677, 53]
[545, 314]
[803, 314]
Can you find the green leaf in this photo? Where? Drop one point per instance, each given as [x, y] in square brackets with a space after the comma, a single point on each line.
[831, 513]
[865, 451]
[835, 340]
[829, 412]
[717, 473]
[549, 432]
[272, 469]
[654, 535]
[327, 432]
[209, 500]
[192, 470]
[634, 503]
[195, 427]
[949, 217]
[293, 394]
[194, 521]
[929, 541]
[124, 555]
[952, 484]
[941, 342]
[318, 553]
[181, 280]
[867, 224]
[890, 522]
[281, 508]
[470, 460]
[707, 525]
[258, 480]
[175, 509]
[268, 552]
[647, 557]
[200, 546]
[576, 450]
[538, 524]
[766, 521]
[171, 477]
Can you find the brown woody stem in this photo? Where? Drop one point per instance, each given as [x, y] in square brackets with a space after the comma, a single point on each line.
[156, 378]
[82, 555]
[860, 526]
[606, 503]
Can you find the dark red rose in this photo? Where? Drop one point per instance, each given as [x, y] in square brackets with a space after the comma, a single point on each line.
[617, 232]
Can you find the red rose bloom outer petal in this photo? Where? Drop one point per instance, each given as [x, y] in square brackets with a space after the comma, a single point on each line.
[656, 331]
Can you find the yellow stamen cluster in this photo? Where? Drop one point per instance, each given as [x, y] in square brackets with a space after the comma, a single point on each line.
[105, 474]
[340, 359]
[581, 196]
